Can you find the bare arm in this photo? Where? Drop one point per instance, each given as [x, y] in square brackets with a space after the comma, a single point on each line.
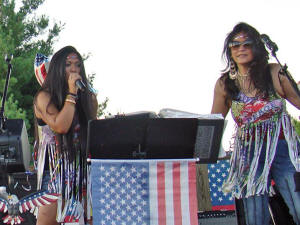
[219, 102]
[59, 121]
[284, 87]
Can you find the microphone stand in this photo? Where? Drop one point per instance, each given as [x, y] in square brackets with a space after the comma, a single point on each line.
[3, 119]
[284, 72]
[2, 116]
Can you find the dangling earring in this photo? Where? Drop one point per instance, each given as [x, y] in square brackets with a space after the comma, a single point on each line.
[232, 70]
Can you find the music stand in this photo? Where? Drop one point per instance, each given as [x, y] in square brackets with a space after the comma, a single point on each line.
[155, 138]
[141, 138]
[208, 140]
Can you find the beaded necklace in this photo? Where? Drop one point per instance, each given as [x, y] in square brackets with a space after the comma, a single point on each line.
[242, 85]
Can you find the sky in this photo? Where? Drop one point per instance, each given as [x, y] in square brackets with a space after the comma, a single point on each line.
[155, 54]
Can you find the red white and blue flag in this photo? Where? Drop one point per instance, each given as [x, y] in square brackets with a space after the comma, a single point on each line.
[217, 174]
[144, 192]
[41, 64]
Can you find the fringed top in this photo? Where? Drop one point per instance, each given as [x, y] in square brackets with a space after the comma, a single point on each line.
[68, 174]
[259, 124]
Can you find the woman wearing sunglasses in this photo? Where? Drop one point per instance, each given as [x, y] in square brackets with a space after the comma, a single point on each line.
[265, 143]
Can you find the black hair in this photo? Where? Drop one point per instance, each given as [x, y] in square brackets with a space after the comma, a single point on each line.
[56, 85]
[259, 69]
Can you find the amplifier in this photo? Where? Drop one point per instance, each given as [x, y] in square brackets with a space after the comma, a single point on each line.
[217, 218]
[14, 147]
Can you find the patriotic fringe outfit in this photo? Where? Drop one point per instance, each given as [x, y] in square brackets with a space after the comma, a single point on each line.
[68, 173]
[265, 145]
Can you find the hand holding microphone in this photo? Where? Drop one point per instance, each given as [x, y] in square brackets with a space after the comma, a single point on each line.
[80, 85]
[75, 83]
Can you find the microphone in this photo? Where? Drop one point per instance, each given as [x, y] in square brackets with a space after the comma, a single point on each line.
[80, 85]
[270, 44]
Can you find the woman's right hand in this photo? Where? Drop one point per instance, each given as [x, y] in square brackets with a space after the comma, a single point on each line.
[73, 77]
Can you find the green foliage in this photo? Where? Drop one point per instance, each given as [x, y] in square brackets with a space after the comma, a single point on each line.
[12, 111]
[101, 111]
[296, 124]
[23, 34]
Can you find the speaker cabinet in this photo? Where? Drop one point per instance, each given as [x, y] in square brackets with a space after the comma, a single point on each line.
[14, 147]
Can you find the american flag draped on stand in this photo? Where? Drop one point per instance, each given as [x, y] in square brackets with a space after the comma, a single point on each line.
[142, 192]
[217, 174]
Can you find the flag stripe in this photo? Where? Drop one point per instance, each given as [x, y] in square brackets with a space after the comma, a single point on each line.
[144, 192]
[192, 193]
[169, 193]
[161, 193]
[153, 195]
[184, 193]
[177, 193]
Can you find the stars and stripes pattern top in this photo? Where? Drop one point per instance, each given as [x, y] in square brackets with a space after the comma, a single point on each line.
[144, 192]
[217, 173]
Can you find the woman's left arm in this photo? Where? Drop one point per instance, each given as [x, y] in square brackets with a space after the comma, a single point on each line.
[283, 86]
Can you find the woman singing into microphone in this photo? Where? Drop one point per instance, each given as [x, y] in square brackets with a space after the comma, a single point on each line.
[62, 113]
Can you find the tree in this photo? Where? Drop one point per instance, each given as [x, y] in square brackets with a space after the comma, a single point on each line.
[101, 111]
[296, 124]
[23, 34]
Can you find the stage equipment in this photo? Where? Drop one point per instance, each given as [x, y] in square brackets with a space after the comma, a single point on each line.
[283, 71]
[209, 134]
[217, 218]
[208, 140]
[14, 144]
[168, 144]
[141, 136]
[14, 147]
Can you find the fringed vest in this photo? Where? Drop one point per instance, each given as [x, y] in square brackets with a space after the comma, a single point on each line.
[68, 176]
[259, 124]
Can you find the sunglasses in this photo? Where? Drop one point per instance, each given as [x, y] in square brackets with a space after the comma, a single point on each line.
[234, 45]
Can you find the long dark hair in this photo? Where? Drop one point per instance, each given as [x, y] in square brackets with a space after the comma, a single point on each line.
[56, 85]
[259, 69]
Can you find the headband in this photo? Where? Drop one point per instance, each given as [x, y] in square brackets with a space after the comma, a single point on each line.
[41, 66]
